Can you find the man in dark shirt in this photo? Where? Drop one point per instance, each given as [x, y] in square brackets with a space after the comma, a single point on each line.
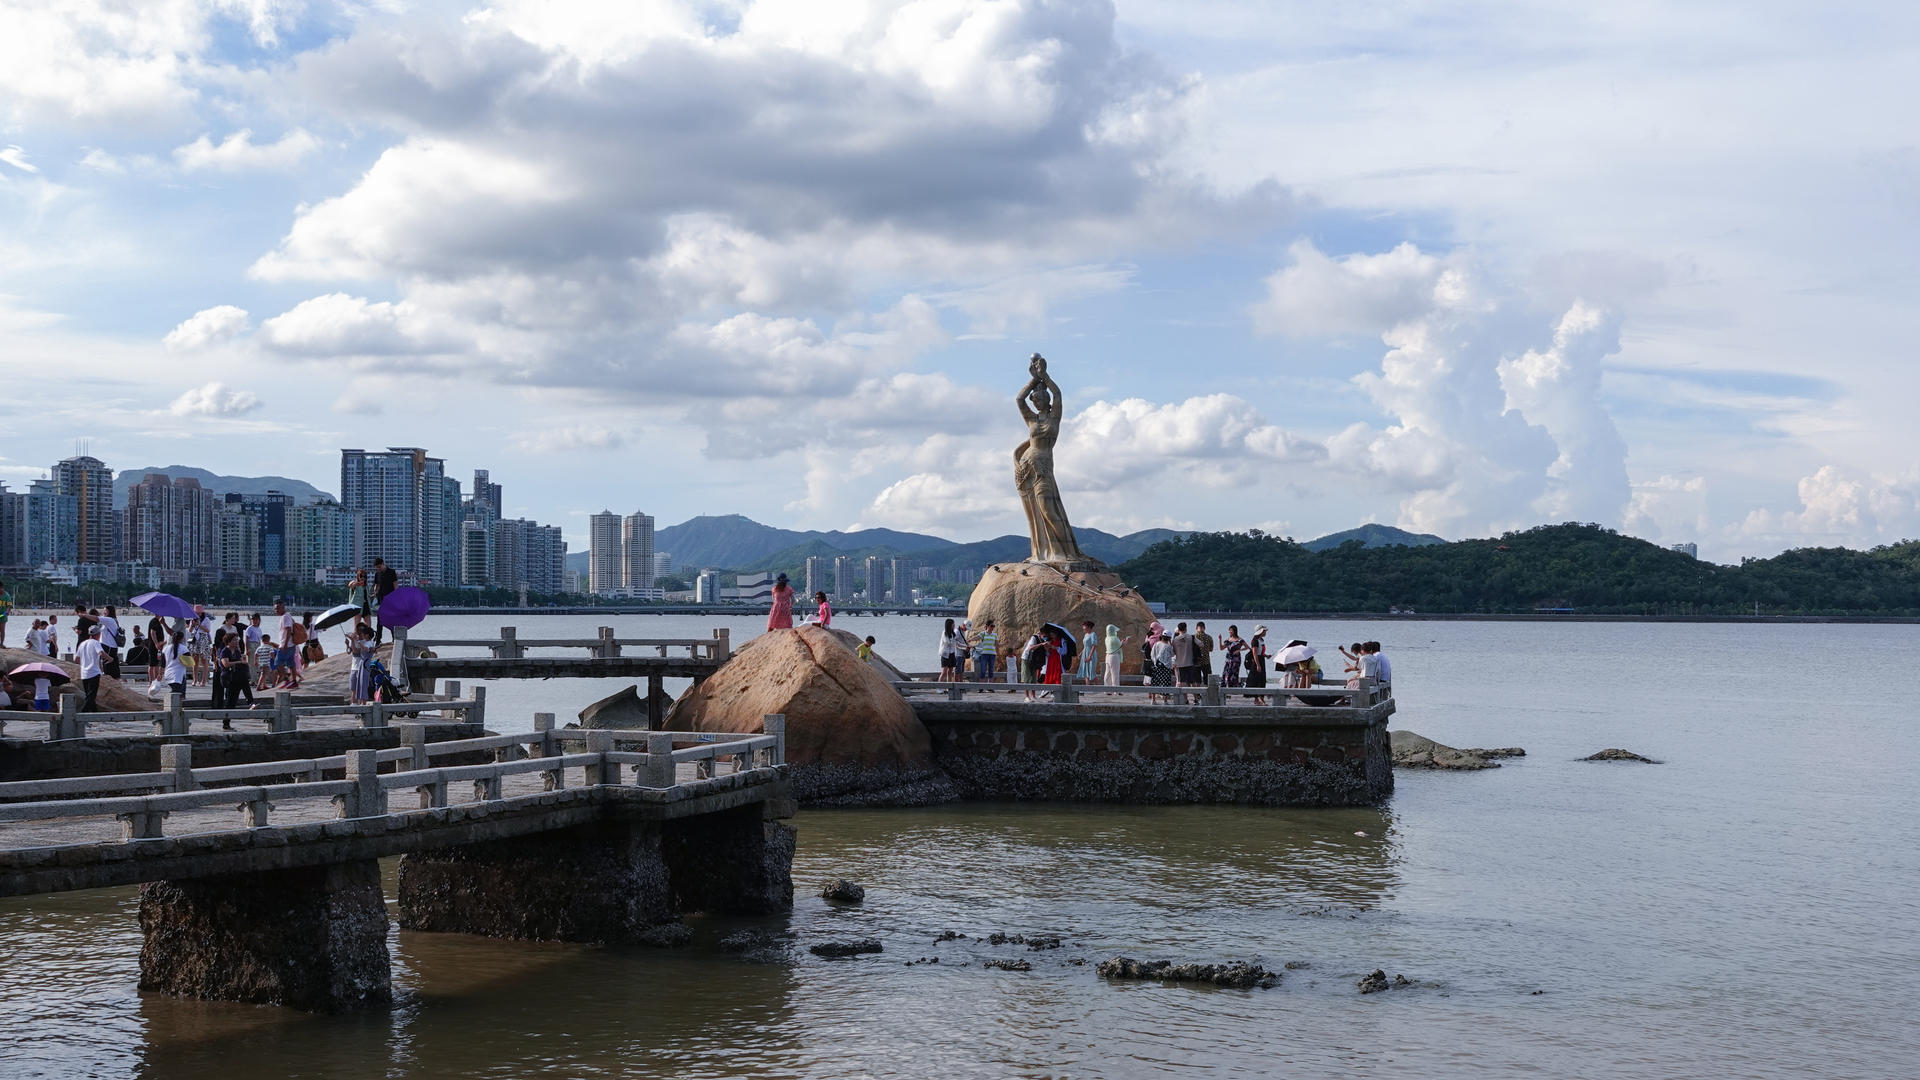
[1202, 651]
[385, 580]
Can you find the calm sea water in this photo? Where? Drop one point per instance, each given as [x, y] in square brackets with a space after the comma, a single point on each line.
[1747, 908]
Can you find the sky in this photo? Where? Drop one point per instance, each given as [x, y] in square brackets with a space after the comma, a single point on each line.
[1460, 267]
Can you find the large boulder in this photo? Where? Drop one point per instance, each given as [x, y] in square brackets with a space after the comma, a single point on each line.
[1414, 751]
[111, 697]
[852, 740]
[1022, 597]
[624, 710]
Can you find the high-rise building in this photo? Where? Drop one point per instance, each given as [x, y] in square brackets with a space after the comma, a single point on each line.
[269, 513]
[486, 494]
[636, 548]
[902, 578]
[530, 554]
[476, 554]
[169, 523]
[239, 536]
[13, 527]
[90, 482]
[53, 525]
[604, 561]
[816, 574]
[876, 579]
[404, 495]
[1690, 550]
[843, 579]
[662, 565]
[321, 536]
[706, 587]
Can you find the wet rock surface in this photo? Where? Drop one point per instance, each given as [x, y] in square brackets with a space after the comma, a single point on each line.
[1495, 751]
[1415, 751]
[667, 936]
[1235, 975]
[1009, 965]
[1035, 942]
[842, 891]
[850, 947]
[1377, 981]
[1617, 754]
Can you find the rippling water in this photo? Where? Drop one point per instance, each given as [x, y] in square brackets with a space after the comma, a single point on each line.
[1745, 909]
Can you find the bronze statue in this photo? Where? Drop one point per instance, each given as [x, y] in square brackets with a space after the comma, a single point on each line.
[1047, 527]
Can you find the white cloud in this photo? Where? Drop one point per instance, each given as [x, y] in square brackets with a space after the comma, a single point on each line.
[208, 327]
[238, 151]
[15, 156]
[214, 399]
[1840, 508]
[1317, 296]
[338, 325]
[569, 440]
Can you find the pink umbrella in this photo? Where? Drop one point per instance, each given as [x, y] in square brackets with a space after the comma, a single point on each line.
[30, 672]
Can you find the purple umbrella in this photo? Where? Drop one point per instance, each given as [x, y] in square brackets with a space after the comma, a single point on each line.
[30, 672]
[404, 607]
[165, 605]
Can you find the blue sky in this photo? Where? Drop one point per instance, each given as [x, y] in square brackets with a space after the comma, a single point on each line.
[1460, 267]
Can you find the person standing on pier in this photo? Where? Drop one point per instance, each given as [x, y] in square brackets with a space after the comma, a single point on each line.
[6, 608]
[1115, 650]
[1257, 661]
[1186, 669]
[824, 615]
[1202, 652]
[385, 580]
[174, 668]
[358, 596]
[986, 649]
[780, 616]
[1234, 650]
[89, 653]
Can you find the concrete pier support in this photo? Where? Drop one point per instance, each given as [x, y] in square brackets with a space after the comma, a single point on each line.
[313, 938]
[602, 883]
[739, 861]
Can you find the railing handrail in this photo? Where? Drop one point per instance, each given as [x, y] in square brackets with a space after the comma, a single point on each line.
[1211, 693]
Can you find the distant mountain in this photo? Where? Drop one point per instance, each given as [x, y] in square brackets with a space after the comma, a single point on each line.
[301, 491]
[1374, 536]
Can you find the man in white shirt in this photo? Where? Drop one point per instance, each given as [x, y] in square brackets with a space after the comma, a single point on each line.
[89, 654]
[286, 623]
[253, 633]
[1384, 666]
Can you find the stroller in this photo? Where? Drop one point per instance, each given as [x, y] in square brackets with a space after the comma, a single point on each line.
[380, 681]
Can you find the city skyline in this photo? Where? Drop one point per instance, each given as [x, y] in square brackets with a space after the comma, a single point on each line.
[1296, 268]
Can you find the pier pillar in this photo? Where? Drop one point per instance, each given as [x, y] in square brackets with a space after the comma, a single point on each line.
[311, 938]
[737, 861]
[603, 883]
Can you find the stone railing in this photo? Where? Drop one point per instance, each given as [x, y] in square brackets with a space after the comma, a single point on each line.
[363, 791]
[1070, 691]
[282, 718]
[602, 646]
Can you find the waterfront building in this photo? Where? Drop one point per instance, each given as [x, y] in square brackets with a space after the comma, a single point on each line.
[816, 574]
[902, 577]
[662, 566]
[604, 574]
[636, 546]
[170, 523]
[53, 525]
[269, 513]
[90, 483]
[404, 494]
[13, 527]
[476, 554]
[486, 495]
[706, 587]
[323, 535]
[237, 557]
[876, 578]
[843, 579]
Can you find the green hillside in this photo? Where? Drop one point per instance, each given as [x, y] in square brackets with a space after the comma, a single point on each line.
[1553, 567]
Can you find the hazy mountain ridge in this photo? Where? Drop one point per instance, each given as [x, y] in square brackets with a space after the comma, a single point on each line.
[300, 490]
[1374, 535]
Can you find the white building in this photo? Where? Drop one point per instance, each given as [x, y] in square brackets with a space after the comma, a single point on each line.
[604, 574]
[636, 547]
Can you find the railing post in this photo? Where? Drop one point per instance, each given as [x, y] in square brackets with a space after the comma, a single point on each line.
[284, 721]
[1364, 697]
[478, 714]
[368, 798]
[177, 759]
[414, 738]
[1068, 693]
[609, 645]
[142, 824]
[775, 724]
[452, 692]
[177, 721]
[375, 716]
[509, 647]
[603, 772]
[659, 767]
[723, 645]
[1213, 695]
[70, 726]
[954, 691]
[543, 723]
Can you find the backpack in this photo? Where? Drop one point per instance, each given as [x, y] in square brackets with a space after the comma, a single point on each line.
[299, 634]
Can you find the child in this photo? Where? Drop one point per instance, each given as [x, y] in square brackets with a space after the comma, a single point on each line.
[865, 651]
[42, 695]
[263, 662]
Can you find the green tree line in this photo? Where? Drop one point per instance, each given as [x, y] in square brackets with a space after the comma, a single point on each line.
[1552, 567]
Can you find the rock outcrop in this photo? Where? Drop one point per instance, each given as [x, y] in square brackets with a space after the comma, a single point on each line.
[1617, 754]
[1412, 751]
[852, 740]
[842, 891]
[1022, 597]
[622, 711]
[1237, 975]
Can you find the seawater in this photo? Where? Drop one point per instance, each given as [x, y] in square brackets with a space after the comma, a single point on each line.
[1747, 908]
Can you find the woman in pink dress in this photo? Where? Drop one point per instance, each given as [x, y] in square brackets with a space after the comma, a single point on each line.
[825, 614]
[781, 617]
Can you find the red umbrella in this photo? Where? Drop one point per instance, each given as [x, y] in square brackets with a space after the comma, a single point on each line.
[30, 672]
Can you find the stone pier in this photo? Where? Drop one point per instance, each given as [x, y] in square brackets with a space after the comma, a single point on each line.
[608, 882]
[311, 938]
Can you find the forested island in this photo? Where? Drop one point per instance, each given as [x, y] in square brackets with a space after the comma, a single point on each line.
[1571, 567]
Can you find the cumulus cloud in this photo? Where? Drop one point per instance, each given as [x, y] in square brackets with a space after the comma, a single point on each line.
[1319, 296]
[238, 151]
[1669, 508]
[351, 326]
[1841, 507]
[214, 399]
[210, 326]
[1217, 440]
[569, 440]
[1559, 388]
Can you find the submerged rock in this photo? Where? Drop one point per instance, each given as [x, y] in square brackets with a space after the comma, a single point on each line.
[1413, 751]
[746, 941]
[852, 947]
[1617, 754]
[667, 935]
[1036, 942]
[1235, 975]
[1009, 965]
[842, 891]
[1374, 983]
[1495, 751]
